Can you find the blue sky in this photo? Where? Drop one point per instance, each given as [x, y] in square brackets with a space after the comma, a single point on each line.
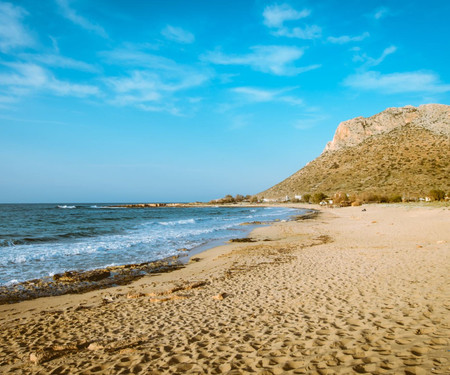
[119, 101]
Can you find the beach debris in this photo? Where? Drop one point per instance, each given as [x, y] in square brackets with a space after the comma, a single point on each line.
[132, 295]
[170, 298]
[56, 351]
[108, 299]
[75, 276]
[242, 240]
[220, 296]
[194, 260]
[85, 281]
[175, 289]
[183, 249]
[253, 223]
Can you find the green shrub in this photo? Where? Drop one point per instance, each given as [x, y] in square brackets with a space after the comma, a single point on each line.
[437, 195]
[395, 199]
[306, 198]
[318, 197]
[254, 199]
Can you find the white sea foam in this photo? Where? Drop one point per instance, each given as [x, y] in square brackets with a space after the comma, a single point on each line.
[66, 206]
[178, 222]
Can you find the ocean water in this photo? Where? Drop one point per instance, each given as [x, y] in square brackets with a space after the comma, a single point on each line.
[39, 240]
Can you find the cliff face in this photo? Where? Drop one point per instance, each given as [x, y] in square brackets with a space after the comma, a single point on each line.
[434, 117]
[403, 151]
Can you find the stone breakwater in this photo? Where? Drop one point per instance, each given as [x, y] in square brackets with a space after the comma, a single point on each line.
[85, 281]
[149, 205]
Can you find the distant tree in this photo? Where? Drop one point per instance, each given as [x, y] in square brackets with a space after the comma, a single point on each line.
[239, 198]
[395, 199]
[254, 199]
[306, 198]
[437, 195]
[318, 197]
[384, 199]
[340, 197]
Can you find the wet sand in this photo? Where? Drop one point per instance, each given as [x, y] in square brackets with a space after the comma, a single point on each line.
[348, 291]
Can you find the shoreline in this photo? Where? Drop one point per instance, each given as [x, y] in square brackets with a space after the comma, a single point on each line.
[82, 281]
[346, 291]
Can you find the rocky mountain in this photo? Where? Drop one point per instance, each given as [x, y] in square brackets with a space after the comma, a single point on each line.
[400, 151]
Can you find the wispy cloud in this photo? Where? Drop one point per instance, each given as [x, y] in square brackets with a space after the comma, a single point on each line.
[381, 12]
[72, 15]
[370, 61]
[155, 85]
[13, 33]
[278, 60]
[275, 17]
[59, 61]
[25, 78]
[263, 95]
[307, 32]
[395, 83]
[347, 39]
[177, 34]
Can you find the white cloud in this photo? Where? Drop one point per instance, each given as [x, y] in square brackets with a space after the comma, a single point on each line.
[257, 95]
[394, 83]
[370, 61]
[381, 13]
[81, 21]
[24, 78]
[152, 82]
[177, 34]
[276, 15]
[263, 95]
[12, 32]
[155, 87]
[307, 32]
[347, 39]
[278, 60]
[130, 56]
[59, 61]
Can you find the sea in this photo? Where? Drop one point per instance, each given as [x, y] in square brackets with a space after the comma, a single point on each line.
[40, 240]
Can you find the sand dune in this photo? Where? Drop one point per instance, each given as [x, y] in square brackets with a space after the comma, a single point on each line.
[347, 292]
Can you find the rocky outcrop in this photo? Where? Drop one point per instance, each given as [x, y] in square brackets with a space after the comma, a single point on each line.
[434, 117]
[400, 151]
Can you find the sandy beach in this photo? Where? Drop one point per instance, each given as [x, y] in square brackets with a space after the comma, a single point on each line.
[353, 290]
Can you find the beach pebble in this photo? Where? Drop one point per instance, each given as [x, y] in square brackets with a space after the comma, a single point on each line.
[35, 358]
[220, 296]
[95, 346]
